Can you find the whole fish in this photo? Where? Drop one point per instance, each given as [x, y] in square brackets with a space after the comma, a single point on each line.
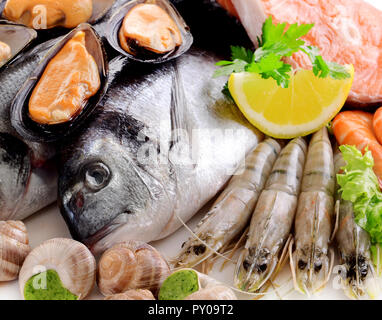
[28, 181]
[28, 177]
[161, 145]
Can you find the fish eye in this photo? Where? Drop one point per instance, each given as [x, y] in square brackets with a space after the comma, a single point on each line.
[97, 176]
[317, 266]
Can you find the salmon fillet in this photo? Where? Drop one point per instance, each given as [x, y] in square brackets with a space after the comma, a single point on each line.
[346, 31]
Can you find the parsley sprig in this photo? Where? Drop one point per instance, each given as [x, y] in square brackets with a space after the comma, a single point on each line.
[275, 44]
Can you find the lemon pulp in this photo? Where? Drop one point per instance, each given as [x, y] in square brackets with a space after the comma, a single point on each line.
[305, 106]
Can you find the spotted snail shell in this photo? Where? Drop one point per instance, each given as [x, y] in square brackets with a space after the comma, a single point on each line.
[133, 294]
[14, 247]
[73, 262]
[131, 265]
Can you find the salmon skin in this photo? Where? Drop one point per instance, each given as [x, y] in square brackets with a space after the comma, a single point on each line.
[347, 32]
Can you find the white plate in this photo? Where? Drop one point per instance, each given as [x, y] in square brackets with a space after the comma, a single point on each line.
[49, 224]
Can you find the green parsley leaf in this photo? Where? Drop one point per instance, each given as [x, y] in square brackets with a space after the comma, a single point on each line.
[321, 68]
[227, 93]
[227, 69]
[240, 53]
[277, 42]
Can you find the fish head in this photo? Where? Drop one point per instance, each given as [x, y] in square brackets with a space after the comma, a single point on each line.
[103, 187]
[15, 171]
[254, 269]
[311, 273]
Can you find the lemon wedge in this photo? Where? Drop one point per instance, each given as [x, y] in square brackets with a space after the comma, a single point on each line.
[307, 105]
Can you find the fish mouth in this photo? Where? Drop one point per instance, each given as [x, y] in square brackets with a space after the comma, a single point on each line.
[70, 217]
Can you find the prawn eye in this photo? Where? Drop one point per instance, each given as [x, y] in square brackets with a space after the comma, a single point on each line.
[199, 249]
[97, 176]
[317, 266]
[263, 267]
[246, 265]
[301, 264]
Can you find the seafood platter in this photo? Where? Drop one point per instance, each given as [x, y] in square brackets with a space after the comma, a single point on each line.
[190, 149]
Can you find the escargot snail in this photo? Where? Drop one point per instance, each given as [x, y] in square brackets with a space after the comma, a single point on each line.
[131, 265]
[58, 269]
[188, 284]
[14, 247]
[133, 294]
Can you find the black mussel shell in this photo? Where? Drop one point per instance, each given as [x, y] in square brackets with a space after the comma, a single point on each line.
[142, 54]
[100, 8]
[17, 37]
[34, 131]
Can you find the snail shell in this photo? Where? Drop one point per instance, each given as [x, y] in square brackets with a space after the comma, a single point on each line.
[208, 288]
[215, 292]
[131, 265]
[14, 247]
[73, 262]
[133, 294]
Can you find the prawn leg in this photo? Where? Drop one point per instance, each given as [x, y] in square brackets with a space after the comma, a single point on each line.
[232, 210]
[272, 219]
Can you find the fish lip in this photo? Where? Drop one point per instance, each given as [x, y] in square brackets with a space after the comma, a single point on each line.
[68, 216]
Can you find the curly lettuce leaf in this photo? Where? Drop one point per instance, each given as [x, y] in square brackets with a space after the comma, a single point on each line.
[359, 184]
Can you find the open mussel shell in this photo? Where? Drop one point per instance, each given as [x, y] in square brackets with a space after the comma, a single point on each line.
[142, 54]
[17, 37]
[99, 10]
[34, 131]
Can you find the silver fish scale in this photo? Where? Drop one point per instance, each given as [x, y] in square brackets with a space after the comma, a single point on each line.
[145, 200]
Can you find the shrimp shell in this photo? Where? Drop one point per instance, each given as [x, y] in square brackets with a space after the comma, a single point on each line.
[14, 248]
[314, 216]
[232, 210]
[272, 219]
[356, 271]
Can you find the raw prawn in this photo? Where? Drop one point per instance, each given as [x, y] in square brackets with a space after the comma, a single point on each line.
[314, 217]
[272, 219]
[355, 128]
[377, 124]
[232, 210]
[356, 272]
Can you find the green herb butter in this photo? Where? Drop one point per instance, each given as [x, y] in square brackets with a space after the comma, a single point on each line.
[179, 285]
[47, 286]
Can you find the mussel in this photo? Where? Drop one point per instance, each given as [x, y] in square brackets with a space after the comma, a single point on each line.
[149, 31]
[60, 95]
[47, 14]
[14, 39]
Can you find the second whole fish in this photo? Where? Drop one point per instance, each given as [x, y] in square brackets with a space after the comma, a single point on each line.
[134, 172]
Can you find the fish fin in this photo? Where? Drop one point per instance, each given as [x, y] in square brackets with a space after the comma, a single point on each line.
[180, 130]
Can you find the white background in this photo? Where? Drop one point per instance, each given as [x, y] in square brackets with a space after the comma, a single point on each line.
[48, 224]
